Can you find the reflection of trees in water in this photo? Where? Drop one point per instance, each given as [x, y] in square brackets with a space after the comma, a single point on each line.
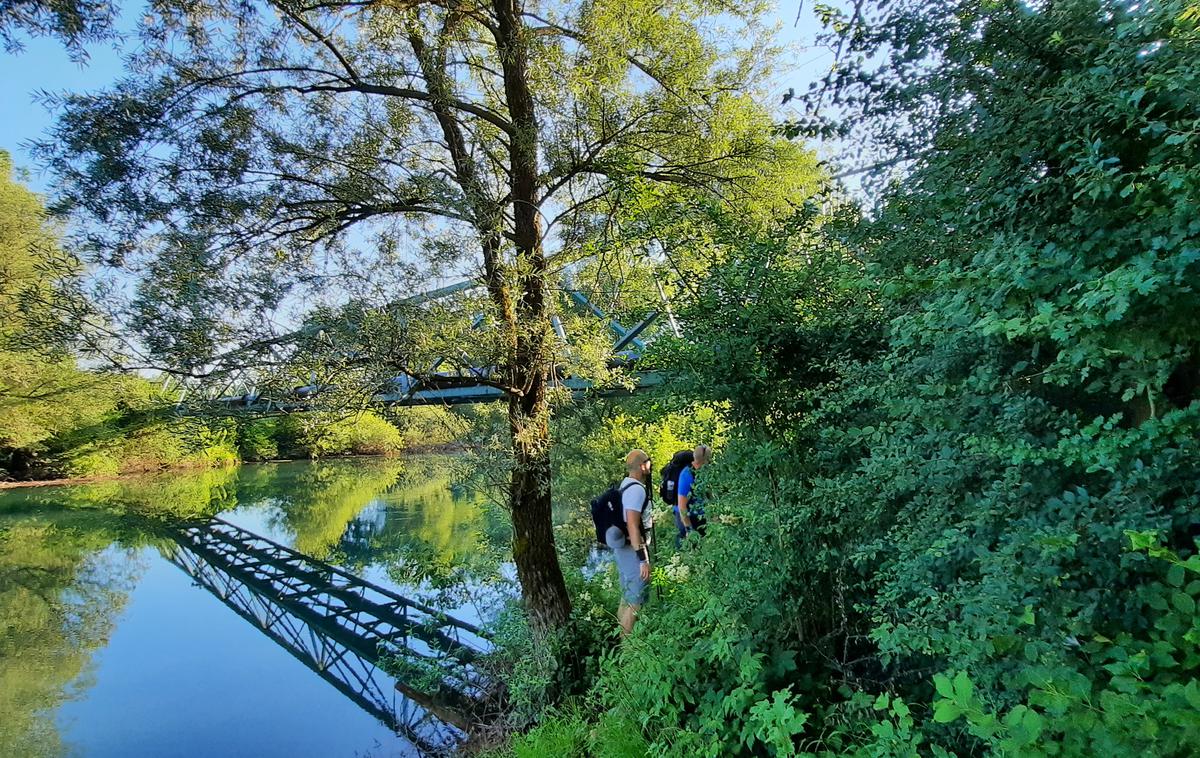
[186, 494]
[60, 593]
[66, 557]
[316, 501]
[426, 533]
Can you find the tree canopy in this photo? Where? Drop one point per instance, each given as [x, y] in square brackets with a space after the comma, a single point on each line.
[257, 155]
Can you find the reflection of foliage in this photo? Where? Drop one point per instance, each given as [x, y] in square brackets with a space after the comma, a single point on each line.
[321, 499]
[198, 493]
[59, 594]
[434, 534]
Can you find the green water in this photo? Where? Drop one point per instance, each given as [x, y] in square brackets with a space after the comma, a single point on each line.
[109, 647]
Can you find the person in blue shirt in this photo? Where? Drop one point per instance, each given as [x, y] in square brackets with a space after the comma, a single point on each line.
[689, 511]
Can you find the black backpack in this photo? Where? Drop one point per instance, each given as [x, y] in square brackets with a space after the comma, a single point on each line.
[607, 511]
[670, 475]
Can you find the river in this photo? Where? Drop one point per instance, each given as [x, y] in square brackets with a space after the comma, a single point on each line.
[120, 637]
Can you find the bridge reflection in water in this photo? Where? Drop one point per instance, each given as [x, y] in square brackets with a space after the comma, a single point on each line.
[339, 625]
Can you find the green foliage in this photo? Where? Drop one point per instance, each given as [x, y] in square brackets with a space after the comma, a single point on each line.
[373, 435]
[947, 415]
[54, 417]
[427, 425]
[148, 443]
[320, 434]
[561, 735]
[73, 22]
[567, 732]
[539, 672]
[257, 439]
[608, 134]
[597, 435]
[42, 393]
[1137, 694]
[705, 677]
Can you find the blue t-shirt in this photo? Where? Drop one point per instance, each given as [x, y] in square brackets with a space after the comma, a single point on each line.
[687, 478]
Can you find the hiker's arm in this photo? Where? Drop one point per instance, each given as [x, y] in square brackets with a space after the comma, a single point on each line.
[683, 510]
[633, 520]
[633, 524]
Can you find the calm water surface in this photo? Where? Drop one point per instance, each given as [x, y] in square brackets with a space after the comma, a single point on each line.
[109, 647]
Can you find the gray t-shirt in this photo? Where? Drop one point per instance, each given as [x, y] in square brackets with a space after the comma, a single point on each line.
[632, 499]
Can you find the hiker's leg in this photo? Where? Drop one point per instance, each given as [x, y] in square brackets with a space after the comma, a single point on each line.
[628, 616]
[633, 587]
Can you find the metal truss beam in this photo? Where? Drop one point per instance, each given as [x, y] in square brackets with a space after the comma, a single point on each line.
[339, 625]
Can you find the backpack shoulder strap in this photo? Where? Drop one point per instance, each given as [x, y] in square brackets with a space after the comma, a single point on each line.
[645, 491]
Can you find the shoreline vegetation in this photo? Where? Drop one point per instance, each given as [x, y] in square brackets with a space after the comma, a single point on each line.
[410, 451]
[129, 431]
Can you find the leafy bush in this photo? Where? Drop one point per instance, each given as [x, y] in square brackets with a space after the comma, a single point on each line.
[948, 417]
[373, 435]
[427, 425]
[92, 463]
[316, 435]
[257, 440]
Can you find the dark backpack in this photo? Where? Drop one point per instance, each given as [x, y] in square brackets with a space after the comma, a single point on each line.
[607, 511]
[670, 476]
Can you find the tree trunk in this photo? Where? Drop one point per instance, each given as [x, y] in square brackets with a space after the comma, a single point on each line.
[542, 585]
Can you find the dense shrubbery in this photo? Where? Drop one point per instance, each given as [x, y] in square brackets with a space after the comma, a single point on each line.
[136, 433]
[317, 435]
[961, 483]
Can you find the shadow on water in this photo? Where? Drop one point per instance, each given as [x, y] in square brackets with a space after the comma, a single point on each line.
[71, 557]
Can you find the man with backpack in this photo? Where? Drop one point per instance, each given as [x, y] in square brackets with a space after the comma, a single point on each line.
[629, 544]
[689, 512]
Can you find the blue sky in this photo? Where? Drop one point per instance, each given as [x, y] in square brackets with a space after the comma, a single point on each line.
[45, 65]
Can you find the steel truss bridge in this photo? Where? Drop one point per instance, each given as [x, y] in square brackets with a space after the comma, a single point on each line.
[340, 626]
[439, 387]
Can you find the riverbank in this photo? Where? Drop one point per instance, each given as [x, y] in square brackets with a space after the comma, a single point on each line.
[445, 448]
[63, 482]
[133, 444]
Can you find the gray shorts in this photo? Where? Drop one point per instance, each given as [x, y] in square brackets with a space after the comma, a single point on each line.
[633, 589]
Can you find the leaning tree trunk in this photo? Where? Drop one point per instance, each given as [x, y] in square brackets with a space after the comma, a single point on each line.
[542, 585]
